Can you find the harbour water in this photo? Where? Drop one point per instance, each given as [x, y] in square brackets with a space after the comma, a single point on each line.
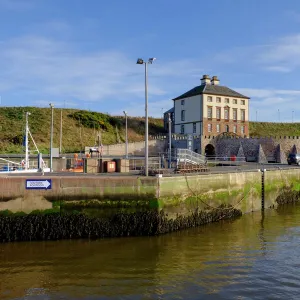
[254, 257]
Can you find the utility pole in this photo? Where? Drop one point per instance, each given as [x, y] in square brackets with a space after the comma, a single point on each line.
[51, 138]
[60, 134]
[26, 142]
[170, 140]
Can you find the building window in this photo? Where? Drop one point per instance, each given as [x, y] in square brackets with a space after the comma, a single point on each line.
[234, 114]
[218, 99]
[209, 98]
[242, 102]
[209, 127]
[182, 129]
[234, 101]
[182, 102]
[242, 115]
[226, 128]
[182, 115]
[242, 129]
[218, 127]
[209, 112]
[218, 113]
[234, 128]
[194, 127]
[226, 113]
[226, 100]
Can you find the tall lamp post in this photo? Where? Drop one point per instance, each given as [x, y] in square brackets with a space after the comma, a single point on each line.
[140, 61]
[51, 136]
[126, 135]
[170, 140]
[292, 116]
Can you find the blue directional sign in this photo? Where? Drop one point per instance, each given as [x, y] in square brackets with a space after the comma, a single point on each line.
[38, 184]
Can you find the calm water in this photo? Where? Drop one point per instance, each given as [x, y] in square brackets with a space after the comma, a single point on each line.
[254, 257]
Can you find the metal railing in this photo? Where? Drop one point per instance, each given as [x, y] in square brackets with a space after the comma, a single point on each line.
[190, 157]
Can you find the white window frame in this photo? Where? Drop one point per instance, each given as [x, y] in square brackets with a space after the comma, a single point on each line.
[234, 114]
[218, 100]
[234, 129]
[243, 102]
[226, 100]
[209, 127]
[209, 99]
[243, 115]
[182, 115]
[234, 101]
[209, 109]
[218, 127]
[182, 102]
[242, 129]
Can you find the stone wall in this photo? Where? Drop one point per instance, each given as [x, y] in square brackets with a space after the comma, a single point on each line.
[156, 145]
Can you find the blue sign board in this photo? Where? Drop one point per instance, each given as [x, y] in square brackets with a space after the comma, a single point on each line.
[38, 184]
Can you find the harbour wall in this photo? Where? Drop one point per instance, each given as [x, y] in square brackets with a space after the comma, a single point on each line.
[176, 195]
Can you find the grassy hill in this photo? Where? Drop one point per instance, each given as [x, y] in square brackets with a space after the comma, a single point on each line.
[80, 128]
[274, 129]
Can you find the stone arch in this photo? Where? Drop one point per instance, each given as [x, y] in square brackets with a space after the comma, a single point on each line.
[210, 150]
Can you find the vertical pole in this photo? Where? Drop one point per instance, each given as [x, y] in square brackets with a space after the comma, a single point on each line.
[126, 137]
[262, 189]
[170, 140]
[146, 120]
[51, 137]
[256, 115]
[292, 116]
[26, 143]
[60, 134]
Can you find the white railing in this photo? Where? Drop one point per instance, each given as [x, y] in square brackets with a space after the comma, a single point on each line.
[189, 156]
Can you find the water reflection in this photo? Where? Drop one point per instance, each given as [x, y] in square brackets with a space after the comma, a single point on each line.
[226, 260]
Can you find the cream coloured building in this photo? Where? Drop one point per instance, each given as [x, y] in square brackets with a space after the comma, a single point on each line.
[211, 109]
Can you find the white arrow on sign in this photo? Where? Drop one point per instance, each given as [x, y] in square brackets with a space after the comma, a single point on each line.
[38, 184]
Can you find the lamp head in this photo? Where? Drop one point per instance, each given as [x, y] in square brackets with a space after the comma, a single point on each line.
[151, 60]
[139, 61]
[125, 112]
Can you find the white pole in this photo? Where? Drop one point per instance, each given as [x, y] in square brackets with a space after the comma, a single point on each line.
[126, 136]
[146, 120]
[60, 134]
[26, 143]
[170, 140]
[51, 137]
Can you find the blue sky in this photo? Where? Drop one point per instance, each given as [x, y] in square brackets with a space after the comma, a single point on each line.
[82, 54]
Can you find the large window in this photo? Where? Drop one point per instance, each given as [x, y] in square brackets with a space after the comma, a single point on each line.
[242, 129]
[194, 128]
[209, 112]
[234, 114]
[226, 128]
[183, 115]
[182, 102]
[218, 127]
[226, 113]
[226, 100]
[209, 127]
[209, 98]
[218, 113]
[234, 128]
[218, 99]
[242, 102]
[182, 129]
[242, 115]
[234, 101]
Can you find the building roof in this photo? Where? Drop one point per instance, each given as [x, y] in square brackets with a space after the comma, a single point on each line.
[211, 90]
[169, 111]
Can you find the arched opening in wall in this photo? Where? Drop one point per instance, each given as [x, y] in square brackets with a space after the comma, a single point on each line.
[210, 151]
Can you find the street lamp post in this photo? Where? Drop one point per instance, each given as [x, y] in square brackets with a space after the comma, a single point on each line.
[279, 115]
[292, 116]
[126, 135]
[170, 140]
[142, 62]
[51, 136]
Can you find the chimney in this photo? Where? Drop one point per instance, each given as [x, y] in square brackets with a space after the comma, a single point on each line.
[215, 80]
[205, 80]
